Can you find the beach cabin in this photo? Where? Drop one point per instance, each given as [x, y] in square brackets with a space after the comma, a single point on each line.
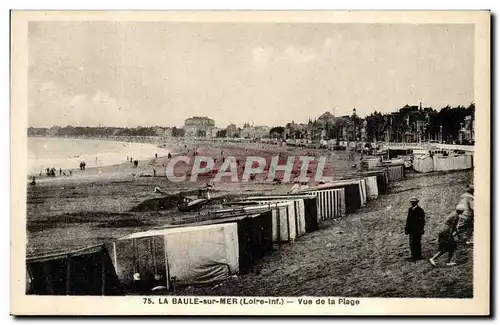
[284, 223]
[309, 207]
[254, 234]
[395, 173]
[298, 207]
[354, 196]
[371, 187]
[452, 162]
[330, 202]
[370, 163]
[382, 179]
[423, 163]
[183, 255]
[84, 272]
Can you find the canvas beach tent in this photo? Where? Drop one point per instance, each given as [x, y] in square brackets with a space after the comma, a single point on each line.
[254, 234]
[283, 217]
[452, 162]
[310, 207]
[423, 163]
[84, 272]
[184, 255]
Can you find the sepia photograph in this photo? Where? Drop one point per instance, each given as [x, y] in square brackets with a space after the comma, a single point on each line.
[250, 160]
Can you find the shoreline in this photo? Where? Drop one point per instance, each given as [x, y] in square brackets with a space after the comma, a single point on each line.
[145, 151]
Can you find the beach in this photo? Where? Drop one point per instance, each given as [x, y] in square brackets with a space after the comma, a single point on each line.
[361, 254]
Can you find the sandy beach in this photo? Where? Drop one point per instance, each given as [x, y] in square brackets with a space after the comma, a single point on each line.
[359, 255]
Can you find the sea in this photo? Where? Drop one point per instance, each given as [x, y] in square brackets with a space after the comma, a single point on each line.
[67, 154]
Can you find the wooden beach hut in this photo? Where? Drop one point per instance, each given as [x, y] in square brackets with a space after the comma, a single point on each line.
[371, 187]
[83, 272]
[309, 203]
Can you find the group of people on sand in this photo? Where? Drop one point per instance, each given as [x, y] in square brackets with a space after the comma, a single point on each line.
[457, 227]
[52, 172]
[135, 162]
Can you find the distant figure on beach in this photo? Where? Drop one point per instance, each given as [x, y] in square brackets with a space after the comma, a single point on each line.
[70, 173]
[48, 171]
[33, 182]
[127, 158]
[156, 155]
[415, 224]
[84, 164]
[169, 155]
[136, 163]
[154, 172]
[295, 188]
[60, 171]
[448, 237]
[130, 159]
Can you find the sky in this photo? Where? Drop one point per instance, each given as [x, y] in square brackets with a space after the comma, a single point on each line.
[130, 74]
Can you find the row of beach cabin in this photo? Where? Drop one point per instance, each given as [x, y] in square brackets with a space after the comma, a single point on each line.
[229, 242]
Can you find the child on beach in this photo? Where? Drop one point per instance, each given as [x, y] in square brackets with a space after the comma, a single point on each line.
[447, 238]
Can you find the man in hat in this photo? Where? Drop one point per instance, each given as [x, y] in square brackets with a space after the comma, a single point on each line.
[415, 223]
[466, 220]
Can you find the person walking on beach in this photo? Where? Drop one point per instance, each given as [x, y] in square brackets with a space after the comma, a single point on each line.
[466, 220]
[60, 171]
[415, 224]
[448, 236]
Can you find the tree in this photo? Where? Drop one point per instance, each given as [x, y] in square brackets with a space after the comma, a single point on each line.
[276, 132]
[177, 132]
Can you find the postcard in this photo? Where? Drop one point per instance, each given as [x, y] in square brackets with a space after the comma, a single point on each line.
[250, 163]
